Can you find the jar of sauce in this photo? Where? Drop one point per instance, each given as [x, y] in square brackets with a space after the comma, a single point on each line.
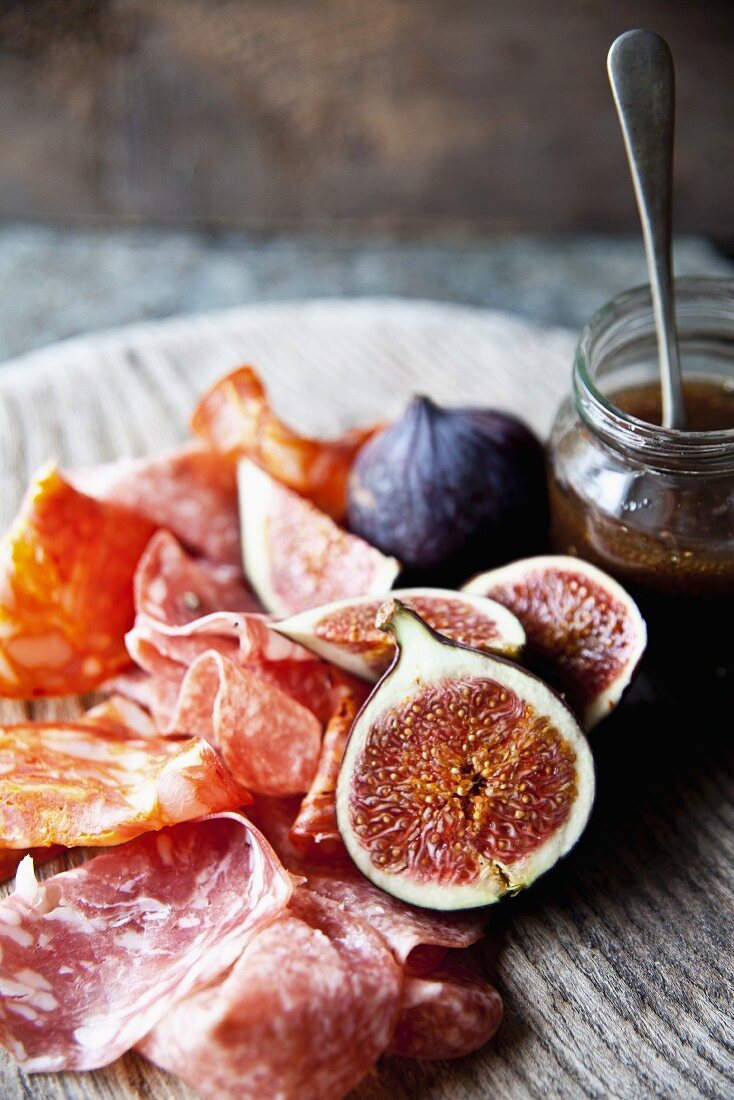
[655, 506]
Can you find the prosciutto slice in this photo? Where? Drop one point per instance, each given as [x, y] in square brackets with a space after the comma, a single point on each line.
[305, 1012]
[446, 1014]
[191, 492]
[269, 742]
[66, 590]
[81, 783]
[235, 417]
[93, 958]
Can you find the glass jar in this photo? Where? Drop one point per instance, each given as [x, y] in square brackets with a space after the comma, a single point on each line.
[655, 506]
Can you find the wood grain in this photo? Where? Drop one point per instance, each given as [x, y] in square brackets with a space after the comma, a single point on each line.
[387, 114]
[616, 967]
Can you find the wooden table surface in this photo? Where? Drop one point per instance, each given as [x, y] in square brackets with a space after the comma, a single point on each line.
[615, 968]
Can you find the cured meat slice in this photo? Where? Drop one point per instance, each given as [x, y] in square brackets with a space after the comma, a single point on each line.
[66, 590]
[235, 416]
[173, 588]
[192, 492]
[82, 784]
[315, 827]
[417, 936]
[117, 711]
[305, 1012]
[93, 958]
[269, 743]
[404, 927]
[447, 1014]
[308, 682]
[242, 637]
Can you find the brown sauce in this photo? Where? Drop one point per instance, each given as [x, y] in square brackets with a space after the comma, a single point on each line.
[683, 585]
[709, 404]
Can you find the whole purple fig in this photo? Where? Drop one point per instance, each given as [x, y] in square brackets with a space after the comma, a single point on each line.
[450, 492]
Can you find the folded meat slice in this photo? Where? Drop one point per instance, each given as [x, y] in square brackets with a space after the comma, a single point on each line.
[447, 1013]
[315, 826]
[83, 783]
[93, 958]
[235, 417]
[305, 1013]
[269, 742]
[419, 937]
[173, 588]
[192, 492]
[66, 590]
[116, 711]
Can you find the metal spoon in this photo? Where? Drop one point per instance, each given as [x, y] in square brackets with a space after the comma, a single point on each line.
[641, 73]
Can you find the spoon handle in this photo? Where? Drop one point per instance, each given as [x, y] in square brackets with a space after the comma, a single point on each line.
[643, 83]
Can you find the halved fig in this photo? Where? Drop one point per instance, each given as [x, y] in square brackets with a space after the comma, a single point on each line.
[344, 632]
[297, 557]
[584, 632]
[465, 777]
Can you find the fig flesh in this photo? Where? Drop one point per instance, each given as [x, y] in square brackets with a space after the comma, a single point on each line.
[465, 777]
[295, 556]
[344, 632]
[450, 491]
[585, 632]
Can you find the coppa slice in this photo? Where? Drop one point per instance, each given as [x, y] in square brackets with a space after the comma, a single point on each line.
[585, 633]
[465, 777]
[235, 416]
[295, 556]
[344, 632]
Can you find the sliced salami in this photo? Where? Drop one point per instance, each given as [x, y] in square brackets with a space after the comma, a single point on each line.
[446, 1014]
[66, 590]
[303, 1015]
[315, 826]
[269, 743]
[81, 783]
[173, 588]
[93, 958]
[408, 930]
[118, 711]
[235, 416]
[191, 492]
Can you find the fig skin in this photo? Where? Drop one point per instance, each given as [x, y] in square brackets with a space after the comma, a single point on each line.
[450, 492]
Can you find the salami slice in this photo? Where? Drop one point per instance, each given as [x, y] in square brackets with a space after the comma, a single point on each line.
[235, 416]
[173, 588]
[191, 492]
[305, 1012]
[117, 711]
[269, 743]
[404, 927]
[66, 590]
[83, 784]
[447, 1014]
[93, 958]
[408, 930]
[315, 826]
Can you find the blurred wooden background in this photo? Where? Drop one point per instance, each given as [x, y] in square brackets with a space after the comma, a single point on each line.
[390, 115]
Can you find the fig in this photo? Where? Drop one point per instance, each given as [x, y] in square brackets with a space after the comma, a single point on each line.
[295, 556]
[450, 491]
[585, 633]
[465, 777]
[344, 632]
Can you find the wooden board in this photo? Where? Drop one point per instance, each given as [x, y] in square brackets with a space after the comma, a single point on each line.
[380, 114]
[615, 968]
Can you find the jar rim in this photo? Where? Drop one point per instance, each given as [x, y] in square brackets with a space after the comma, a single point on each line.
[651, 441]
